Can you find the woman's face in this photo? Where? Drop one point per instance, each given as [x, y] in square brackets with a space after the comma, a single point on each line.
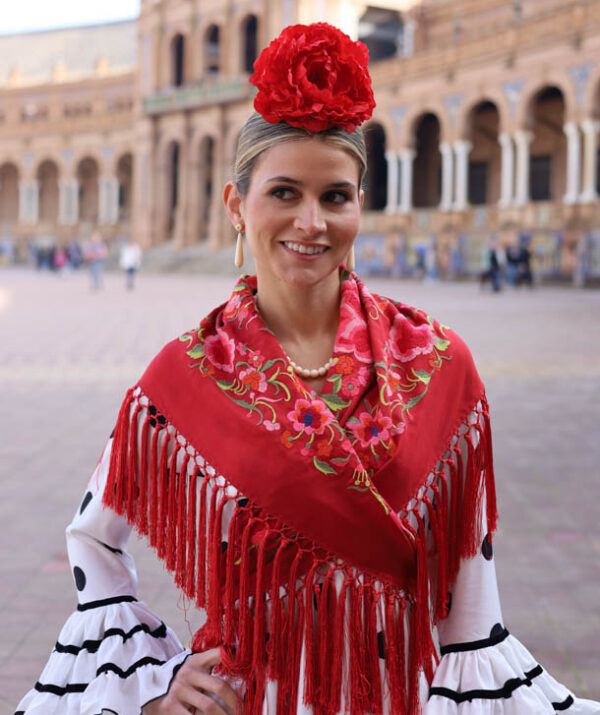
[301, 212]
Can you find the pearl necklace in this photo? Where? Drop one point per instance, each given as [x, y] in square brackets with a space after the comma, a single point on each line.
[307, 372]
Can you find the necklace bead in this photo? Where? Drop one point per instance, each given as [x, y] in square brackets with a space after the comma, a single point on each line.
[310, 372]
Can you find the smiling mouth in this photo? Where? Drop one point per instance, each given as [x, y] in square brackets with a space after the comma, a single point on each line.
[304, 249]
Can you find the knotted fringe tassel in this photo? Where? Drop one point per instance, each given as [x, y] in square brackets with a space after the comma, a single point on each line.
[276, 603]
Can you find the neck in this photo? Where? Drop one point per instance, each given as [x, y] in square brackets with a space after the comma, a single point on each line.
[303, 319]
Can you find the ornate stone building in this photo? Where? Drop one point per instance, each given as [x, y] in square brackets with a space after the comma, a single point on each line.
[486, 124]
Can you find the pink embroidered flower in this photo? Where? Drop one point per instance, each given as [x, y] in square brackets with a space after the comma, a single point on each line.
[355, 384]
[219, 349]
[271, 426]
[408, 340]
[255, 380]
[287, 439]
[370, 429]
[353, 335]
[323, 448]
[310, 416]
[344, 365]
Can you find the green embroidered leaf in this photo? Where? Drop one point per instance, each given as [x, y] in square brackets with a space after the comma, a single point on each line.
[413, 401]
[197, 351]
[270, 363]
[323, 466]
[442, 344]
[423, 376]
[334, 402]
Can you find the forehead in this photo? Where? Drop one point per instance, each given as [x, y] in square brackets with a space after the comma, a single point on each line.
[309, 158]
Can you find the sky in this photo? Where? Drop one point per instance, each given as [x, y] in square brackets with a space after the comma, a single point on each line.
[31, 15]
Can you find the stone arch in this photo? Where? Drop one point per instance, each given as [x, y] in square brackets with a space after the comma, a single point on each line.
[463, 117]
[47, 176]
[205, 184]
[376, 177]
[211, 50]
[9, 193]
[427, 165]
[248, 40]
[177, 60]
[88, 172]
[412, 120]
[124, 174]
[173, 169]
[482, 128]
[548, 148]
[524, 118]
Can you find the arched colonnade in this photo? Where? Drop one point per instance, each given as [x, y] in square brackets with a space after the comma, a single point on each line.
[547, 157]
[55, 191]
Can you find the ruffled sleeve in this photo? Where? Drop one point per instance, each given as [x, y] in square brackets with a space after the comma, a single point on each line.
[484, 670]
[113, 654]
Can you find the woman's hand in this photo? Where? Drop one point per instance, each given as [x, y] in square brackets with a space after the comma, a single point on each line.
[195, 690]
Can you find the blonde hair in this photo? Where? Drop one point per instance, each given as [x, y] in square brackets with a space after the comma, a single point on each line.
[258, 135]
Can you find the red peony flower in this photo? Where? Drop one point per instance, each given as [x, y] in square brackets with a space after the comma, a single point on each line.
[314, 76]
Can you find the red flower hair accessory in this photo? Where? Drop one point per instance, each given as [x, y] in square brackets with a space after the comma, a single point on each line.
[314, 76]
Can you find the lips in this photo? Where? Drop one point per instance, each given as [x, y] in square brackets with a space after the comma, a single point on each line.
[305, 249]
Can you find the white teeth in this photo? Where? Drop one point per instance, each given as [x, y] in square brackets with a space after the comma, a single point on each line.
[301, 248]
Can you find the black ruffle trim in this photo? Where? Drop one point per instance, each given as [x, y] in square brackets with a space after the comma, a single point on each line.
[504, 692]
[476, 645]
[92, 645]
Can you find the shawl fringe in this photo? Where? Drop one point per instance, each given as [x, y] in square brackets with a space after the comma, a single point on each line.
[276, 603]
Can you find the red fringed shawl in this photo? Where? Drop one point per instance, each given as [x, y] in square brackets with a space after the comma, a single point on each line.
[351, 506]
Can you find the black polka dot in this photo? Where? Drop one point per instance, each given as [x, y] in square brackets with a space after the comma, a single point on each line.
[152, 422]
[486, 548]
[79, 578]
[243, 501]
[224, 545]
[86, 500]
[449, 603]
[381, 645]
[162, 419]
[152, 410]
[497, 630]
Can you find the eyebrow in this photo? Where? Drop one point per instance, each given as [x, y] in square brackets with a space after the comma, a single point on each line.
[288, 180]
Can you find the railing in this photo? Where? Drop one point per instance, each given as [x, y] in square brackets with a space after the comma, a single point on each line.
[210, 91]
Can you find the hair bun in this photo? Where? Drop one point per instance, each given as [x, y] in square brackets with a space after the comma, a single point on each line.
[315, 77]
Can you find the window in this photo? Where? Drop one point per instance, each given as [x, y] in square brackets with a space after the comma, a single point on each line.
[478, 173]
[539, 178]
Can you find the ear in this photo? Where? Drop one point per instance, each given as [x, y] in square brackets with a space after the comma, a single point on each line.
[233, 203]
[361, 198]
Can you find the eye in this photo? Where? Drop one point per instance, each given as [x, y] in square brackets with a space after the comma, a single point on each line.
[337, 197]
[283, 192]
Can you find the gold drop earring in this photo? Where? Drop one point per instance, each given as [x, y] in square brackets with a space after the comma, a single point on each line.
[239, 247]
[351, 262]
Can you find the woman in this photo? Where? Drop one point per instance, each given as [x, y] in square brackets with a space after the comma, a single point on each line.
[313, 464]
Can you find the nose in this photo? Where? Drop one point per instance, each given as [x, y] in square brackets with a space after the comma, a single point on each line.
[309, 219]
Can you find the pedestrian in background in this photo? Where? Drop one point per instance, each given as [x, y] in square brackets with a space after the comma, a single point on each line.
[130, 261]
[95, 254]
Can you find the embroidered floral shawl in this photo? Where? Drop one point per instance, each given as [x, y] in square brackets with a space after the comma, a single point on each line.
[335, 483]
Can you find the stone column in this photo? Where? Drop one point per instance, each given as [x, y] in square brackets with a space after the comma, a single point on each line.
[507, 172]
[29, 201]
[447, 176]
[406, 158]
[408, 44]
[461, 169]
[522, 141]
[392, 182]
[573, 162]
[590, 129]
[68, 201]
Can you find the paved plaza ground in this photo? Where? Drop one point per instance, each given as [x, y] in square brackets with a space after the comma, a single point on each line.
[67, 355]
